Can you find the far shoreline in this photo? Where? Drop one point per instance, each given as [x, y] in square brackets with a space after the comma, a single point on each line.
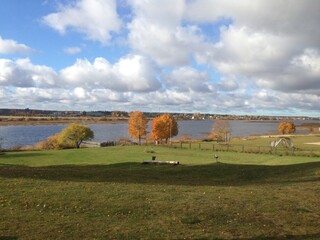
[43, 121]
[60, 122]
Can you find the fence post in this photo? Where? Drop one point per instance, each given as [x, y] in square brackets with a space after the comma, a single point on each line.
[212, 147]
[242, 148]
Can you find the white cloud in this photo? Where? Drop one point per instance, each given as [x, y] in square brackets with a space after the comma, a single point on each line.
[138, 73]
[267, 44]
[309, 61]
[95, 18]
[8, 46]
[156, 31]
[260, 47]
[162, 100]
[246, 52]
[281, 102]
[2, 93]
[166, 13]
[301, 75]
[185, 79]
[22, 73]
[34, 94]
[107, 95]
[131, 73]
[163, 45]
[80, 93]
[63, 99]
[228, 84]
[291, 17]
[72, 50]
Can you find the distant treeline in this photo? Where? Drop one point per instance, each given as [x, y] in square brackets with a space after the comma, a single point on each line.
[123, 114]
[53, 113]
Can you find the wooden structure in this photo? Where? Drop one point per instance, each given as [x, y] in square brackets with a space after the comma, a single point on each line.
[160, 162]
[285, 141]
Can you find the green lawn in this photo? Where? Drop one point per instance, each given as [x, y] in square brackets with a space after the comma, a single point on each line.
[302, 146]
[106, 193]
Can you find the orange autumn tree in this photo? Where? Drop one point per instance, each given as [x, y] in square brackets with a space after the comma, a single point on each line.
[137, 125]
[164, 127]
[286, 127]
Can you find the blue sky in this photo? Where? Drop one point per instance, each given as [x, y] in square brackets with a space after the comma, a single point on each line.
[258, 57]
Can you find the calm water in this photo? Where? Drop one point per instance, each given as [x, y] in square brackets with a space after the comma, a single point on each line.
[11, 136]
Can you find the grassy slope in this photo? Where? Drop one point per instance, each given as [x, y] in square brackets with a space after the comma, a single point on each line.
[107, 193]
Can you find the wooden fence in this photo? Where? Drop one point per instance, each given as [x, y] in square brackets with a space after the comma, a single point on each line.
[244, 148]
[216, 147]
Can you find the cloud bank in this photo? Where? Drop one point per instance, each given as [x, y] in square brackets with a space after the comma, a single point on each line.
[245, 57]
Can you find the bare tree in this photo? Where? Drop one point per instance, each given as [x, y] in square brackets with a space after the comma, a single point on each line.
[221, 130]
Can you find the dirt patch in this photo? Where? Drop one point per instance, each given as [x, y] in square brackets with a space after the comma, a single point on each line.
[314, 143]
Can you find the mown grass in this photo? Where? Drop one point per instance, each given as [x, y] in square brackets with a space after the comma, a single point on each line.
[106, 193]
[302, 146]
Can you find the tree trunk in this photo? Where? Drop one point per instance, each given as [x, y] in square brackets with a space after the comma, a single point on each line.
[78, 144]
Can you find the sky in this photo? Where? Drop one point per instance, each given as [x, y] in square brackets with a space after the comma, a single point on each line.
[248, 57]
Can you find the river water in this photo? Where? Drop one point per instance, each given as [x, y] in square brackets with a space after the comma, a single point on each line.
[11, 136]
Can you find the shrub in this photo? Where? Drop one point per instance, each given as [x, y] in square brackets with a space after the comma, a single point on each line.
[75, 134]
[52, 143]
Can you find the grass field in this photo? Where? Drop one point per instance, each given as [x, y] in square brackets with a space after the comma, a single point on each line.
[303, 145]
[106, 193]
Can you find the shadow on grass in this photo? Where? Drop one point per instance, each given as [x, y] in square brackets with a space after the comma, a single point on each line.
[287, 237]
[8, 238]
[291, 237]
[192, 175]
[23, 155]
